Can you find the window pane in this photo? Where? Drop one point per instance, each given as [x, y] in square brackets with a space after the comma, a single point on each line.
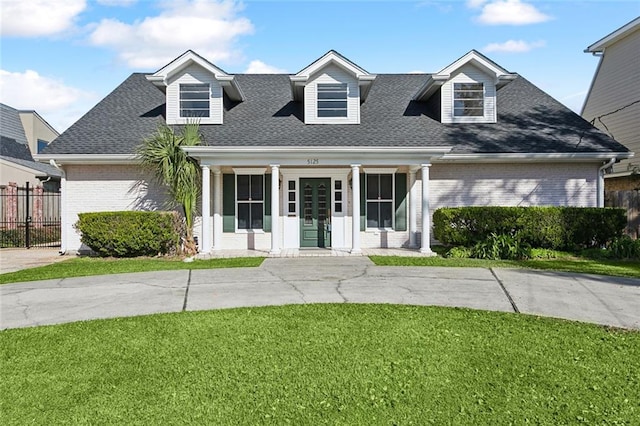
[338, 185]
[332, 113]
[328, 87]
[292, 196]
[372, 187]
[292, 207]
[243, 216]
[386, 212]
[194, 95]
[194, 100]
[332, 104]
[292, 185]
[256, 215]
[469, 112]
[243, 187]
[194, 104]
[386, 187]
[256, 188]
[372, 215]
[338, 196]
[467, 86]
[338, 207]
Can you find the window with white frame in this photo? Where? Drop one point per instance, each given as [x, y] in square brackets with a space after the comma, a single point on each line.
[468, 99]
[250, 201]
[194, 100]
[332, 100]
[379, 200]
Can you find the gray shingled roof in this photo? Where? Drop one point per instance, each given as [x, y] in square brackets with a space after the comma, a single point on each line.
[529, 121]
[13, 143]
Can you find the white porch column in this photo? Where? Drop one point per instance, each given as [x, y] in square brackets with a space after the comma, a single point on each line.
[413, 208]
[205, 243]
[355, 202]
[275, 209]
[426, 212]
[217, 209]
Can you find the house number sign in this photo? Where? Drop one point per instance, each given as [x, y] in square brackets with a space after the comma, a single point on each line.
[312, 161]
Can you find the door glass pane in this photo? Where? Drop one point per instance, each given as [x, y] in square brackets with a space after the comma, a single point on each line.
[322, 202]
[243, 187]
[308, 210]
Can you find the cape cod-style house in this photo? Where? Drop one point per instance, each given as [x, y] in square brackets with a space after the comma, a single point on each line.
[334, 156]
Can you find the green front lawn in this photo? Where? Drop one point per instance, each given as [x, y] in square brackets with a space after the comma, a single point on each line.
[85, 266]
[621, 268]
[321, 364]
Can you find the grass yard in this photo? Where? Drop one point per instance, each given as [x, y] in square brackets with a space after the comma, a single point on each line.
[321, 364]
[620, 268]
[86, 266]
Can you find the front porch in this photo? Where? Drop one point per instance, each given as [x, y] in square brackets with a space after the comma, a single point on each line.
[315, 252]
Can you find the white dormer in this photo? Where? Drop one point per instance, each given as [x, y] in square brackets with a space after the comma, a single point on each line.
[194, 88]
[332, 89]
[467, 89]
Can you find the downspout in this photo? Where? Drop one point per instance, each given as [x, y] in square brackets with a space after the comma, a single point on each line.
[601, 173]
[63, 207]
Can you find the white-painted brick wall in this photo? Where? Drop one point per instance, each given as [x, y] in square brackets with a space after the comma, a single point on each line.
[95, 188]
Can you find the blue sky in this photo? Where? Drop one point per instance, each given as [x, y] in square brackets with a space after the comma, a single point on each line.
[60, 57]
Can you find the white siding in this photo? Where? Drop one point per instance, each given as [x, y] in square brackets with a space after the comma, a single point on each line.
[469, 74]
[96, 188]
[194, 74]
[616, 84]
[332, 74]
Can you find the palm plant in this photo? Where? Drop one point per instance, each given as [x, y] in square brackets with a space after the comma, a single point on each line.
[162, 155]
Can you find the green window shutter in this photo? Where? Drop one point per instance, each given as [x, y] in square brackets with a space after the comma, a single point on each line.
[401, 202]
[363, 202]
[228, 203]
[266, 225]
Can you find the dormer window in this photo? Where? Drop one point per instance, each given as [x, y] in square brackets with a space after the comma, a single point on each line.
[332, 100]
[194, 100]
[468, 99]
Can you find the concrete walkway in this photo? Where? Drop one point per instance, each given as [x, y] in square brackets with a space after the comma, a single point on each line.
[12, 260]
[279, 281]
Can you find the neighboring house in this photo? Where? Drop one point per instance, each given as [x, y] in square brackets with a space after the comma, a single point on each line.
[22, 134]
[613, 101]
[335, 156]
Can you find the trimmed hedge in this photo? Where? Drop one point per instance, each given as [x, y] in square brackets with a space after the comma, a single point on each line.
[558, 228]
[130, 233]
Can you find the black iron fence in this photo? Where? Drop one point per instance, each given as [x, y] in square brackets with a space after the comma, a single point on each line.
[29, 217]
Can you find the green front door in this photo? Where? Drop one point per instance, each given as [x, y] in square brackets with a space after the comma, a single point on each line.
[315, 212]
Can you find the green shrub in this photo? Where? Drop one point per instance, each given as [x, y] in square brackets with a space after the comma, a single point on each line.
[502, 246]
[558, 228]
[130, 233]
[459, 252]
[37, 236]
[624, 248]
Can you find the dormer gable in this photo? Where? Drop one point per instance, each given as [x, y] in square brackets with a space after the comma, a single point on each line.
[331, 89]
[194, 89]
[467, 88]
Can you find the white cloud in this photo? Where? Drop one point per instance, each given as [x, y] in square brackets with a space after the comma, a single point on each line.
[35, 18]
[59, 104]
[210, 28]
[508, 12]
[513, 46]
[259, 67]
[117, 2]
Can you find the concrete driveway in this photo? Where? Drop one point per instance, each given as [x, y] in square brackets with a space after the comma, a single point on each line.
[596, 299]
